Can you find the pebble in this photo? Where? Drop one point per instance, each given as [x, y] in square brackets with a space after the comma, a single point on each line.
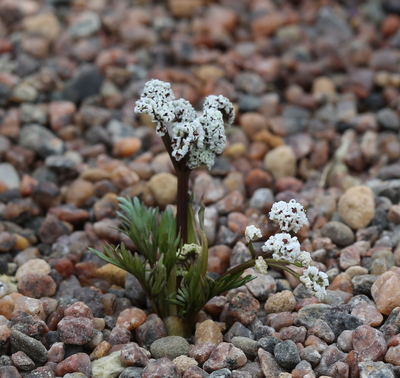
[133, 355]
[269, 365]
[108, 366]
[283, 301]
[169, 347]
[356, 207]
[280, 162]
[369, 343]
[131, 318]
[75, 330]
[183, 363]
[34, 266]
[384, 292]
[9, 176]
[208, 332]
[225, 355]
[163, 187]
[41, 140]
[32, 347]
[339, 233]
[242, 308]
[78, 192]
[162, 367]
[79, 362]
[37, 286]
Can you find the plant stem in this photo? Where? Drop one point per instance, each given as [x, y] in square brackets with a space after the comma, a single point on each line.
[238, 268]
[182, 204]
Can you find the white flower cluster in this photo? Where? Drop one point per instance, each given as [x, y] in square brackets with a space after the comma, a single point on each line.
[252, 232]
[284, 246]
[315, 281]
[187, 250]
[261, 265]
[290, 215]
[198, 138]
[157, 102]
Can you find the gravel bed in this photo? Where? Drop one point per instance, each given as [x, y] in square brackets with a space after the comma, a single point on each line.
[316, 88]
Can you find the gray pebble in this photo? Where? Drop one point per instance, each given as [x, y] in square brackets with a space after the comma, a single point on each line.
[170, 347]
[287, 354]
[32, 347]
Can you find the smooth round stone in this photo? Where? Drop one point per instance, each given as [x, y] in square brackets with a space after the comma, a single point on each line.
[164, 188]
[35, 266]
[339, 233]
[261, 197]
[386, 292]
[280, 162]
[78, 192]
[9, 176]
[131, 318]
[280, 302]
[170, 347]
[126, 147]
[357, 207]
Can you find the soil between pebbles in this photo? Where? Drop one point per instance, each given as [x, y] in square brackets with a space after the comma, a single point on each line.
[316, 88]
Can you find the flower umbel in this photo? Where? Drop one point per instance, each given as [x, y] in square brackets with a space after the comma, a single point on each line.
[252, 232]
[284, 246]
[315, 281]
[290, 215]
[261, 265]
[197, 138]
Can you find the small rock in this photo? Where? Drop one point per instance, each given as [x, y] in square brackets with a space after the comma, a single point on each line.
[119, 335]
[386, 292]
[9, 176]
[76, 331]
[109, 366]
[112, 274]
[388, 119]
[269, 366]
[339, 233]
[170, 347]
[45, 24]
[78, 192]
[225, 355]
[163, 187]
[34, 266]
[131, 318]
[262, 286]
[41, 140]
[162, 367]
[33, 348]
[286, 354]
[280, 162]
[208, 332]
[183, 363]
[133, 355]
[152, 329]
[307, 315]
[86, 24]
[201, 352]
[283, 301]
[37, 286]
[126, 147]
[357, 207]
[22, 361]
[369, 343]
[79, 362]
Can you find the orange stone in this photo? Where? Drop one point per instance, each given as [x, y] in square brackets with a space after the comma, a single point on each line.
[126, 147]
[7, 304]
[131, 318]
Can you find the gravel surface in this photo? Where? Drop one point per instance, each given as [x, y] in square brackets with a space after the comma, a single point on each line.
[316, 88]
